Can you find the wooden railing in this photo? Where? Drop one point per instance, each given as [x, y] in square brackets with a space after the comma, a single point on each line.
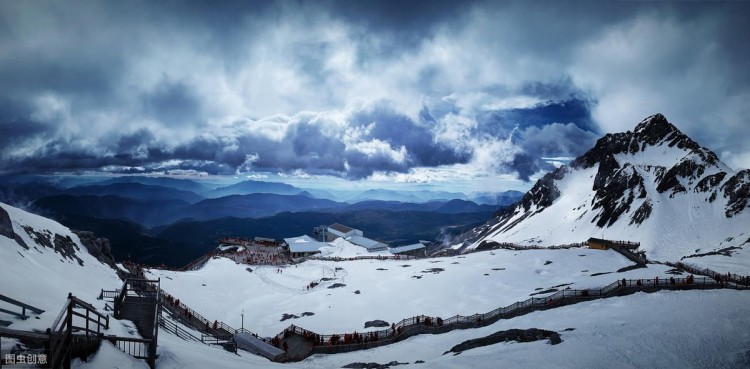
[743, 280]
[171, 327]
[197, 262]
[638, 258]
[20, 304]
[221, 334]
[78, 329]
[107, 294]
[137, 287]
[345, 342]
[63, 343]
[490, 245]
[155, 334]
[139, 348]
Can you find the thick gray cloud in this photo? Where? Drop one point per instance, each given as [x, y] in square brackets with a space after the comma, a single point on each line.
[353, 89]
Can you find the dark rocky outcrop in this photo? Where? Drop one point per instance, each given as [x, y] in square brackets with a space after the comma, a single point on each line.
[737, 190]
[710, 184]
[63, 245]
[544, 192]
[6, 229]
[518, 335]
[616, 189]
[287, 316]
[6, 225]
[642, 213]
[377, 323]
[98, 247]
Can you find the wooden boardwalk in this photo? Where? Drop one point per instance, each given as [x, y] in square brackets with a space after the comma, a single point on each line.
[303, 343]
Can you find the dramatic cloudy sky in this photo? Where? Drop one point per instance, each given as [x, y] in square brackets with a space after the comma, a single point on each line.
[402, 92]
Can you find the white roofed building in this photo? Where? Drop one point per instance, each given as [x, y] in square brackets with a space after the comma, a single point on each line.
[417, 249]
[303, 246]
[337, 230]
[369, 244]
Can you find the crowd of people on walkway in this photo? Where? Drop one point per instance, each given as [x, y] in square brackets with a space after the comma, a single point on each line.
[725, 279]
[365, 257]
[672, 281]
[357, 338]
[260, 254]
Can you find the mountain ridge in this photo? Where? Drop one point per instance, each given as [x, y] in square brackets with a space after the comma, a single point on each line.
[630, 185]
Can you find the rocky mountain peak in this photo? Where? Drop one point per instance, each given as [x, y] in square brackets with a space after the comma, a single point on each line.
[657, 128]
[622, 181]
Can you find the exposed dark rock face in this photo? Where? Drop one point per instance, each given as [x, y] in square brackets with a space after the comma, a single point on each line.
[100, 248]
[66, 247]
[6, 229]
[616, 189]
[6, 226]
[688, 169]
[643, 212]
[62, 245]
[377, 323]
[518, 335]
[287, 316]
[737, 190]
[710, 184]
[649, 132]
[656, 128]
[544, 191]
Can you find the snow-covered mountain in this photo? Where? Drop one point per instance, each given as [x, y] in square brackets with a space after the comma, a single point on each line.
[654, 185]
[42, 261]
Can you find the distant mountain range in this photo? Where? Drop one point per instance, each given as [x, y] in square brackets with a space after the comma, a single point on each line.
[147, 213]
[254, 187]
[446, 207]
[136, 191]
[176, 183]
[166, 220]
[150, 213]
[254, 205]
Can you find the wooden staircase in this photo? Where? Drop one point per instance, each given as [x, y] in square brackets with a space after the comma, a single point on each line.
[140, 310]
[139, 301]
[298, 347]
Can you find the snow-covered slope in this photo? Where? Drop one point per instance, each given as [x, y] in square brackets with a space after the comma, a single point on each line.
[42, 261]
[668, 329]
[654, 185]
[388, 290]
[642, 330]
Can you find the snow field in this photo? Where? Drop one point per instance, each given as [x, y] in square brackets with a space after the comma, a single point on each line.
[390, 290]
[667, 329]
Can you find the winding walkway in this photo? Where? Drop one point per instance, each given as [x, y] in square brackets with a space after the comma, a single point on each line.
[302, 343]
